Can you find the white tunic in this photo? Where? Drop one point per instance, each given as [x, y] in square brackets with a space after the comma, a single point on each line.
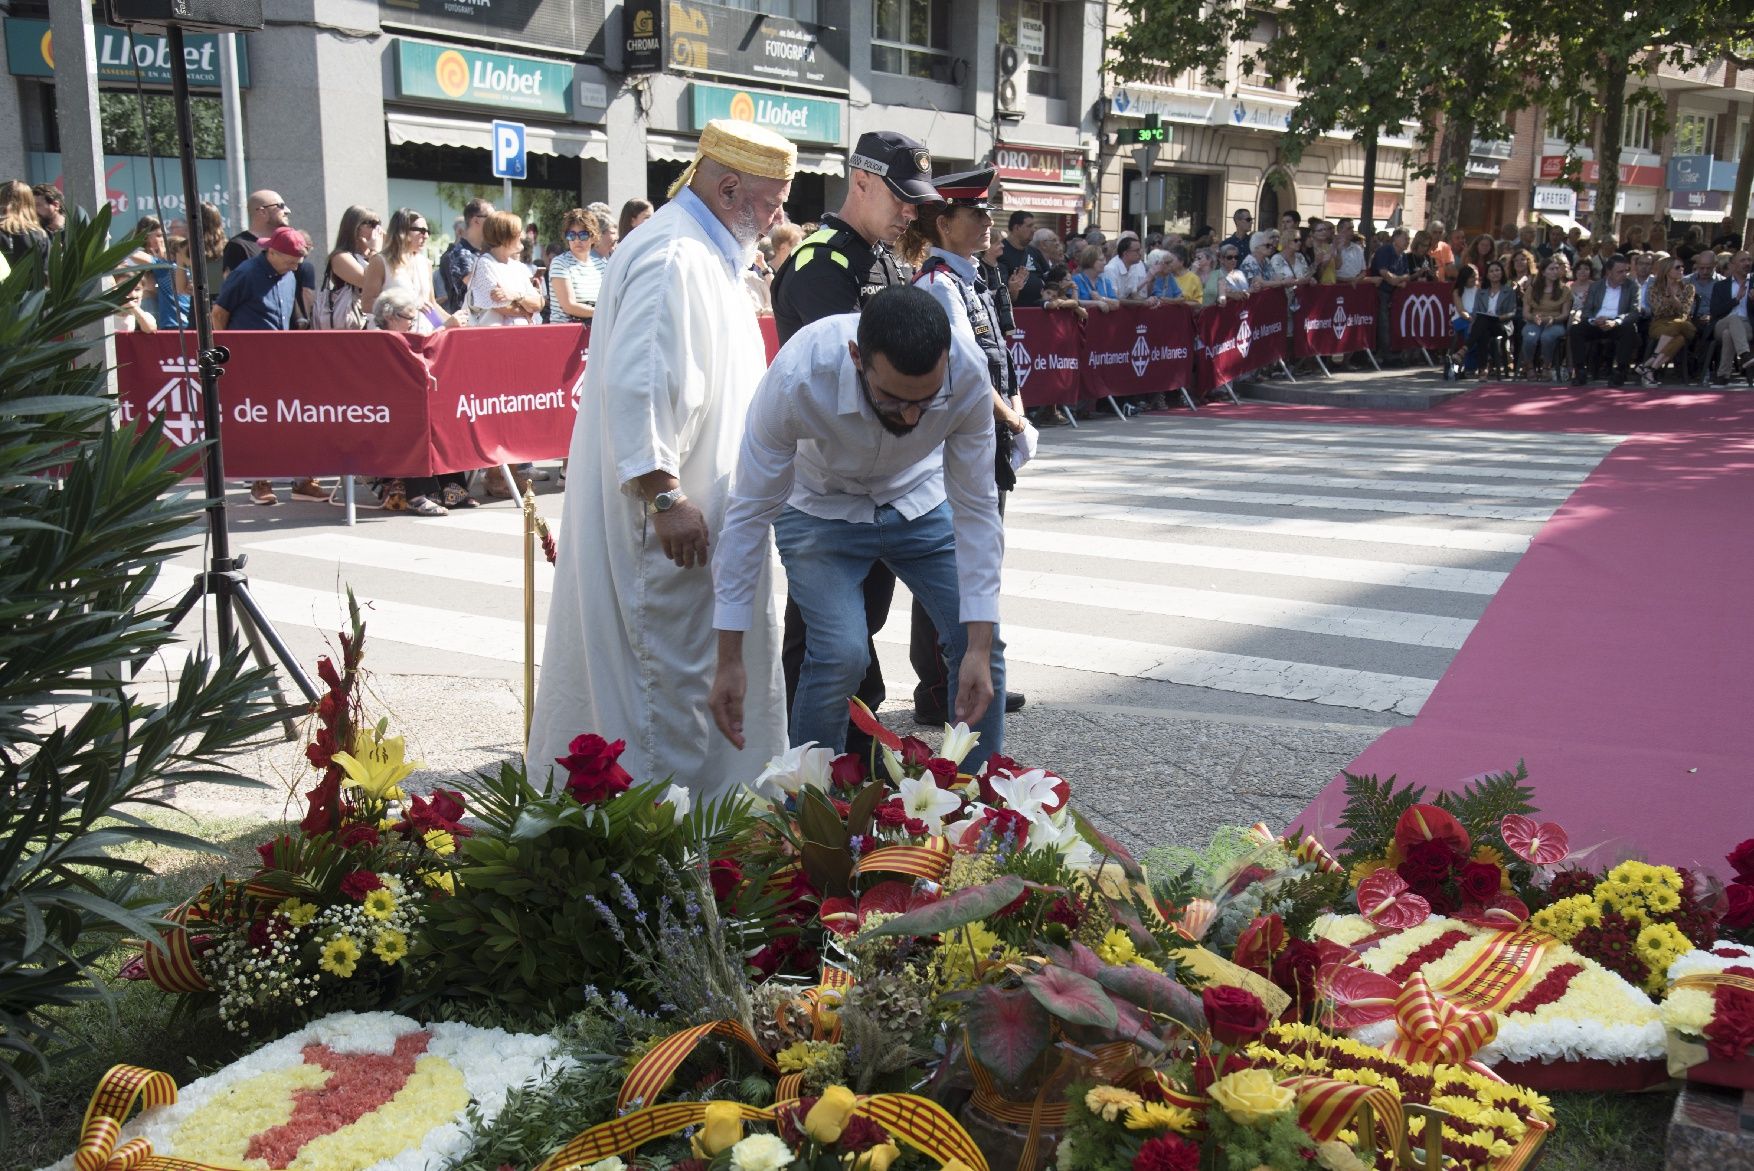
[675, 358]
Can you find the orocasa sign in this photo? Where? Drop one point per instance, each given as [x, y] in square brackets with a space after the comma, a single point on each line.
[439, 73]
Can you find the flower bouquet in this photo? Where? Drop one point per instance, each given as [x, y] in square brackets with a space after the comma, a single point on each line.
[1709, 1013]
[329, 919]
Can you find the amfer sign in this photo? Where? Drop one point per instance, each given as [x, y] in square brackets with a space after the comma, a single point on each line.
[509, 158]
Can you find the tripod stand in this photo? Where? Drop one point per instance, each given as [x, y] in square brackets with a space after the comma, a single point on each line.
[223, 580]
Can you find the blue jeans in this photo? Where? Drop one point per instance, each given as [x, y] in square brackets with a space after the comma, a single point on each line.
[1547, 338]
[826, 560]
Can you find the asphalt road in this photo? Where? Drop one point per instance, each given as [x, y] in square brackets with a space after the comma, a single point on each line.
[1209, 616]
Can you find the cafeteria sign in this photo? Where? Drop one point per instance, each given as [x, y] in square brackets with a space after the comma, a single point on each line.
[799, 119]
[440, 74]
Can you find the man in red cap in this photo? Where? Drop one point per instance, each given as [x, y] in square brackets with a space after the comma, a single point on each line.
[259, 294]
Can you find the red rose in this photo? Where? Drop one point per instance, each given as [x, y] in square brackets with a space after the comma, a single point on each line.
[1480, 881]
[359, 884]
[915, 752]
[1236, 1016]
[846, 771]
[592, 776]
[1741, 860]
[1167, 1152]
[1730, 1035]
[1295, 971]
[441, 812]
[1248, 876]
[359, 834]
[1739, 905]
[1259, 942]
[943, 772]
[726, 876]
[1434, 860]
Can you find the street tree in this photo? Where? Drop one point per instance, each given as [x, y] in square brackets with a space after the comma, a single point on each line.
[1588, 64]
[1358, 67]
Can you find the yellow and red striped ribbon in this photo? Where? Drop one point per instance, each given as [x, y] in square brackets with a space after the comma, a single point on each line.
[1499, 972]
[659, 1065]
[114, 1099]
[918, 1122]
[930, 861]
[1035, 1114]
[169, 960]
[1308, 850]
[1326, 1105]
[1435, 1030]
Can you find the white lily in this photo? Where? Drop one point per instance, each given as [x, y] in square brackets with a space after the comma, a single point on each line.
[958, 742]
[956, 830]
[797, 768]
[679, 799]
[1060, 833]
[892, 762]
[922, 798]
[1028, 794]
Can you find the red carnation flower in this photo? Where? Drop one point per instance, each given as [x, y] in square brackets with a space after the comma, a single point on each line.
[359, 834]
[1167, 1152]
[726, 876]
[359, 884]
[592, 774]
[892, 814]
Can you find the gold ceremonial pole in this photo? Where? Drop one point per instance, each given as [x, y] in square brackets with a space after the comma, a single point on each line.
[529, 609]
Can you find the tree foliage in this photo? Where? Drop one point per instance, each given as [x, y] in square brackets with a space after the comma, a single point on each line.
[88, 515]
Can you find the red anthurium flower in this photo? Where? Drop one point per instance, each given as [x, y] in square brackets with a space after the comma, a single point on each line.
[1386, 900]
[1543, 844]
[1259, 943]
[1428, 823]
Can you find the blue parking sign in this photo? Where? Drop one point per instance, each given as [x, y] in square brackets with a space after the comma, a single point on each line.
[509, 160]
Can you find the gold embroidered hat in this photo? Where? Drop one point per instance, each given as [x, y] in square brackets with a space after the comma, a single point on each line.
[745, 148]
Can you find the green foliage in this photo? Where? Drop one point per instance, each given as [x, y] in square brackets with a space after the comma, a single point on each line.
[545, 883]
[1483, 804]
[1372, 809]
[88, 515]
[1274, 1142]
[1301, 901]
[127, 133]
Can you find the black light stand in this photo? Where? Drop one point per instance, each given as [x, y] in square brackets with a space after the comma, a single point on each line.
[223, 579]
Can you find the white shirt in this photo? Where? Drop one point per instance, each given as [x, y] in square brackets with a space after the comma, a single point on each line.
[1351, 263]
[1127, 281]
[813, 441]
[1739, 297]
[1610, 301]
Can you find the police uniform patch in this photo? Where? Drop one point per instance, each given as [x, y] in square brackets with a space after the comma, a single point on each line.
[923, 163]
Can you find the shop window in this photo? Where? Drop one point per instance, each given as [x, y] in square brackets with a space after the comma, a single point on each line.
[804, 10]
[1034, 27]
[1696, 134]
[912, 39]
[1266, 31]
[1733, 148]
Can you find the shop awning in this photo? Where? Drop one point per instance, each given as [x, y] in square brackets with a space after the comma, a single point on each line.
[1697, 215]
[1042, 198]
[1554, 219]
[667, 148]
[582, 142]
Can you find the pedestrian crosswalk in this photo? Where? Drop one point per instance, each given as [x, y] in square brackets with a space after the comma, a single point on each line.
[1342, 566]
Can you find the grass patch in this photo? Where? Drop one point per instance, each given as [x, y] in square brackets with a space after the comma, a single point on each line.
[1609, 1132]
[138, 1027]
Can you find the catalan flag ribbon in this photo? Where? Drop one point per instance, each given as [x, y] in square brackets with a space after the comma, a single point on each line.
[169, 960]
[930, 861]
[1499, 972]
[918, 1122]
[1437, 1030]
[117, 1093]
[659, 1065]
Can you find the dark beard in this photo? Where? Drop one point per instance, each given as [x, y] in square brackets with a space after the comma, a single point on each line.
[893, 426]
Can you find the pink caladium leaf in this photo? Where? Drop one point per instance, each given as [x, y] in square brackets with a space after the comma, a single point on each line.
[1386, 900]
[1543, 844]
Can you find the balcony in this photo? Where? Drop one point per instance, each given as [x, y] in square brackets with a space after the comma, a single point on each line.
[1695, 74]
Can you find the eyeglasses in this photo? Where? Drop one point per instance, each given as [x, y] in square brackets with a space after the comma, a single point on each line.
[273, 207]
[571, 236]
[422, 229]
[887, 404]
[1227, 256]
[371, 223]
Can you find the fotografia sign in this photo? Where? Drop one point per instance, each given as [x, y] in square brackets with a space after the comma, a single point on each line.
[734, 42]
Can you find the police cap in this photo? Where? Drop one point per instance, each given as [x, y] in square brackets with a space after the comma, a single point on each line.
[903, 162]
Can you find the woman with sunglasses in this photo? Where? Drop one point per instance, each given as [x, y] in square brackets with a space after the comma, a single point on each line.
[403, 264]
[575, 276]
[339, 301]
[1229, 283]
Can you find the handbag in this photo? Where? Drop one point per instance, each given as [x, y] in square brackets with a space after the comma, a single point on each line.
[337, 305]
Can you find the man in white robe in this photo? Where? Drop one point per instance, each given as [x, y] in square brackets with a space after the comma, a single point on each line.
[675, 358]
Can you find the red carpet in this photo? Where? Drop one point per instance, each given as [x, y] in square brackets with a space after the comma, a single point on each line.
[1616, 660]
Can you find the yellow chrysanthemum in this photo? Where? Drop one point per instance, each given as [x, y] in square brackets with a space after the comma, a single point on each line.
[380, 904]
[1662, 901]
[1110, 1102]
[1160, 1116]
[340, 956]
[440, 842]
[439, 880]
[391, 946]
[1364, 868]
[298, 912]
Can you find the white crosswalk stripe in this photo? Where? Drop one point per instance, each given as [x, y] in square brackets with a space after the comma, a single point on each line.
[1336, 565]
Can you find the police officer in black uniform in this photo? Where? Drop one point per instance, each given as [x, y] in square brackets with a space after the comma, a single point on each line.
[836, 269]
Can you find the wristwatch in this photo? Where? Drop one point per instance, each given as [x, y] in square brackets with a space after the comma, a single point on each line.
[665, 501]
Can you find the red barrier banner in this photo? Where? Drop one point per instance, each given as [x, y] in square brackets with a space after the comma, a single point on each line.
[1335, 319]
[1135, 350]
[497, 404]
[1048, 351]
[1240, 336]
[1419, 316]
[365, 402]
